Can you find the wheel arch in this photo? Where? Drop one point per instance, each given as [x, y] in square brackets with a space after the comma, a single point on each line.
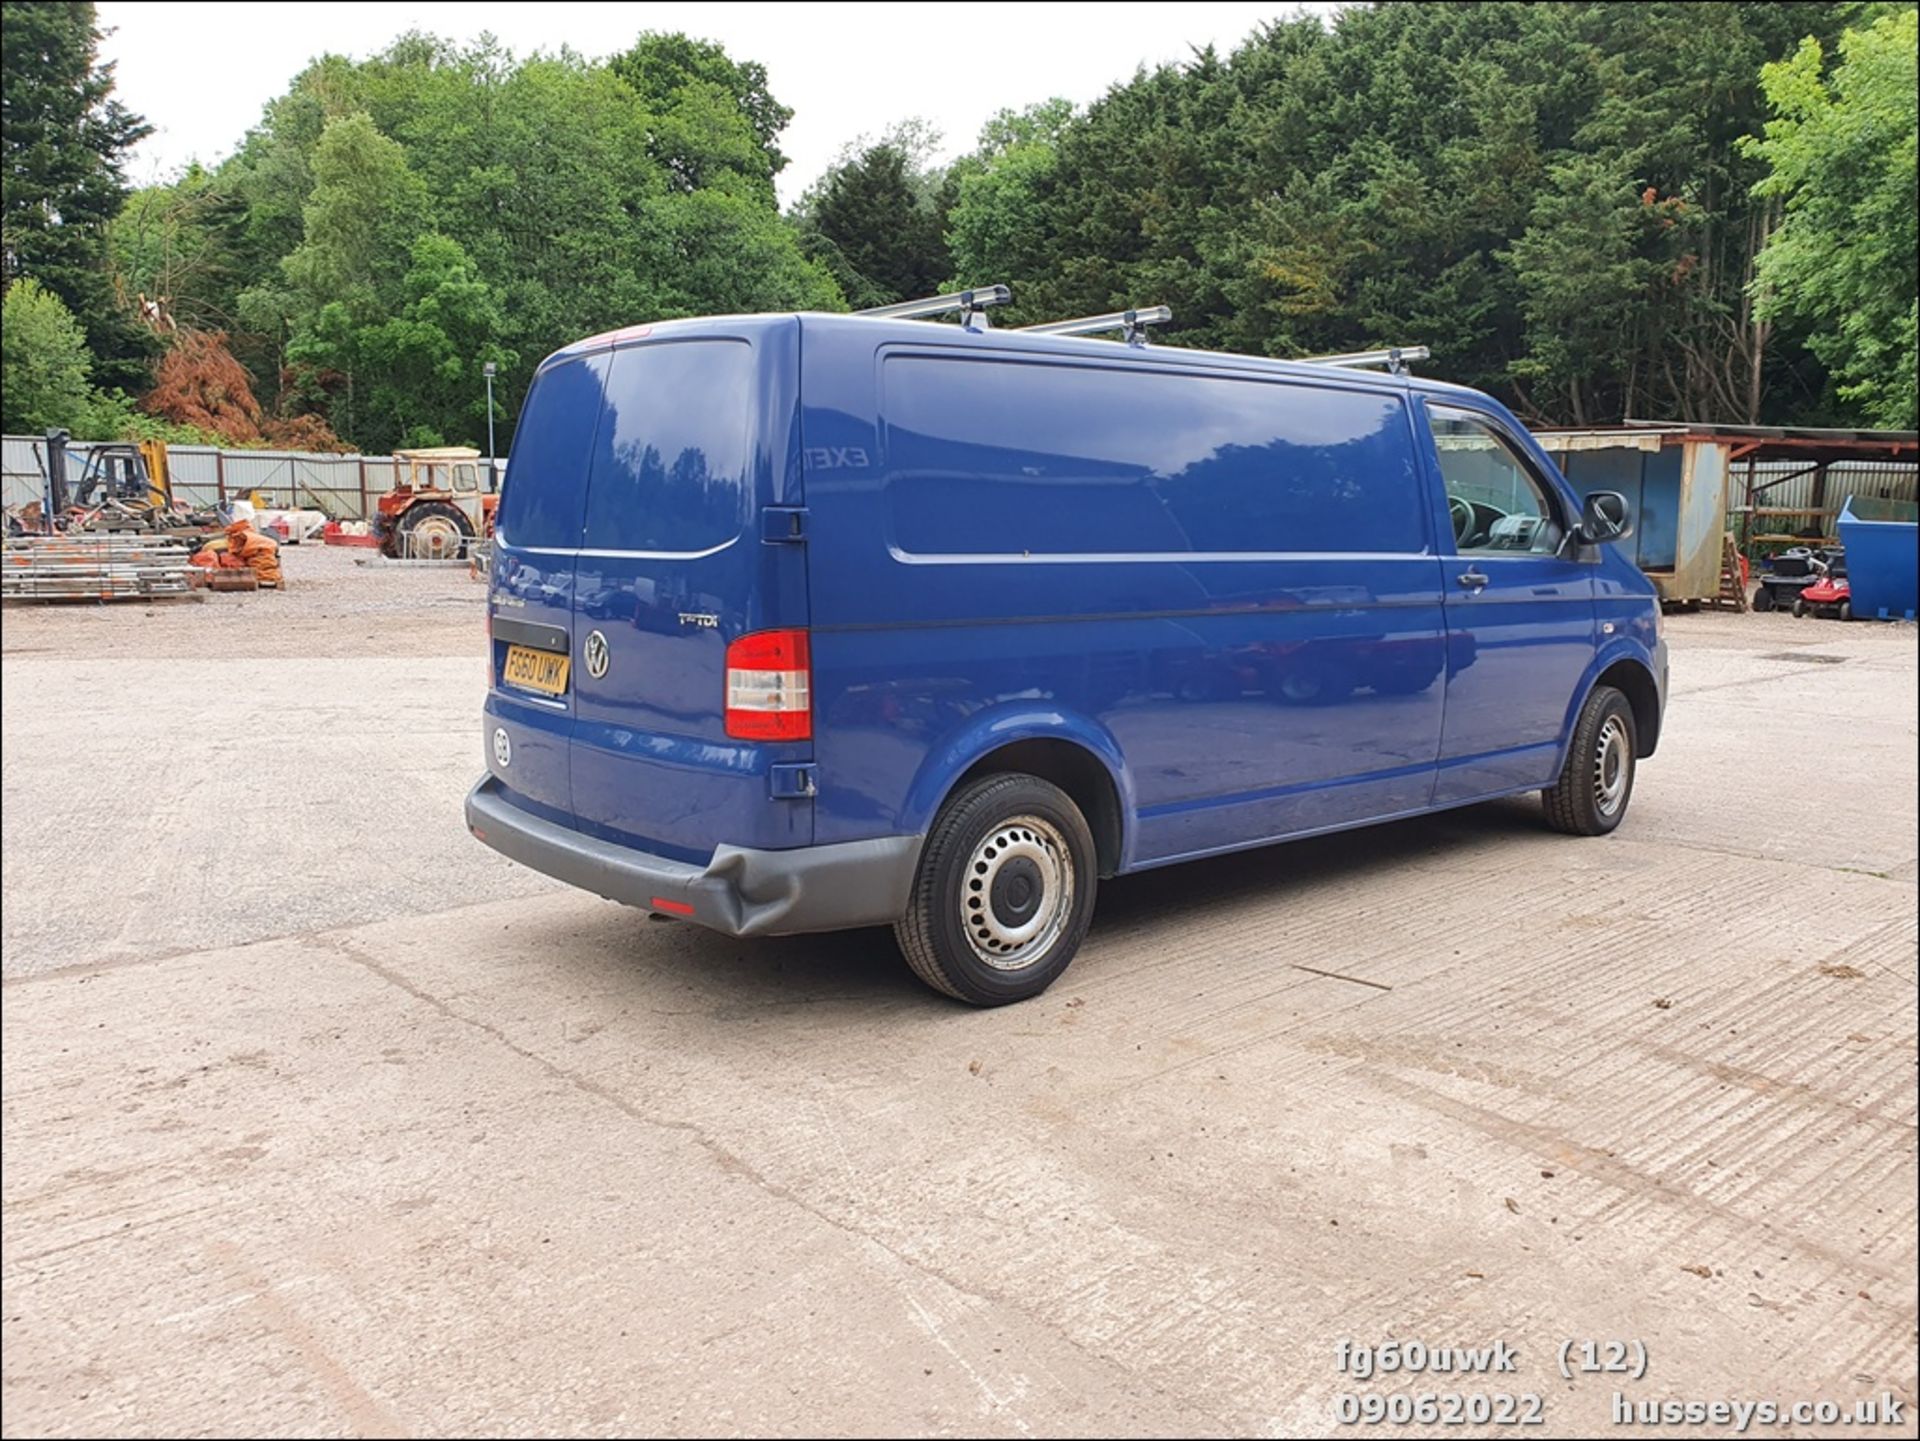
[1629, 673]
[1077, 755]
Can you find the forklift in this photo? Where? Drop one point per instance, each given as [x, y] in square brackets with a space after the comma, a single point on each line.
[122, 487]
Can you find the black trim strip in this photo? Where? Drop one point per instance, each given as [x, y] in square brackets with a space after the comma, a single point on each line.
[526, 632]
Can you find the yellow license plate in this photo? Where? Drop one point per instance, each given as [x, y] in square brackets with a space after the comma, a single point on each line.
[540, 670]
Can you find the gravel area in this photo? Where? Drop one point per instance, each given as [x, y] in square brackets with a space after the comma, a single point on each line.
[338, 601]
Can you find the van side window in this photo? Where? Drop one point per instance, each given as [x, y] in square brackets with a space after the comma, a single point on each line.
[997, 458]
[1493, 497]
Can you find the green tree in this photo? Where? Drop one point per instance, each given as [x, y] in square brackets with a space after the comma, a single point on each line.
[365, 209]
[735, 257]
[63, 139]
[996, 226]
[878, 220]
[347, 276]
[671, 72]
[584, 195]
[1552, 196]
[46, 371]
[171, 248]
[424, 367]
[1844, 258]
[43, 354]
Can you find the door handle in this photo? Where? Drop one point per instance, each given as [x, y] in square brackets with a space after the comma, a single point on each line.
[1472, 580]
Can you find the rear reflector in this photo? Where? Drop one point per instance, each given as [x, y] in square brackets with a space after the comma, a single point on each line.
[678, 908]
[770, 687]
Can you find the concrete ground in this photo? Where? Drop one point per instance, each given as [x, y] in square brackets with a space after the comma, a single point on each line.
[320, 1118]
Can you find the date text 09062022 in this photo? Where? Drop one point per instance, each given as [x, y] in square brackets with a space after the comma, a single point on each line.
[1452, 1408]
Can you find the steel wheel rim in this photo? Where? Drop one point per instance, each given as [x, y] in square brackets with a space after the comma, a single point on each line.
[435, 538]
[1612, 766]
[1023, 862]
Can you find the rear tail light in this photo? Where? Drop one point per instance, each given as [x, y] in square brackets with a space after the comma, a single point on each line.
[770, 687]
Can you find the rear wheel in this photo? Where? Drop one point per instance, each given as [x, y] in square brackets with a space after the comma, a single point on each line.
[1004, 893]
[1595, 785]
[1762, 599]
[432, 530]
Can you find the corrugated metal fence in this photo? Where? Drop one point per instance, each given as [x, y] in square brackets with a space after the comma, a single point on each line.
[1790, 496]
[344, 486]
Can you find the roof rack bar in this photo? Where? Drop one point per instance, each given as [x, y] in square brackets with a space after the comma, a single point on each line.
[1395, 358]
[968, 302]
[1133, 323]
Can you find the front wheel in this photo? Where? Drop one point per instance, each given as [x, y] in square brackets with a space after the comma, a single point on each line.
[1799, 608]
[1591, 796]
[1846, 610]
[1004, 892]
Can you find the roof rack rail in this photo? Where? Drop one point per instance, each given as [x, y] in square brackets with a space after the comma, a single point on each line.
[970, 304]
[1132, 323]
[1395, 358]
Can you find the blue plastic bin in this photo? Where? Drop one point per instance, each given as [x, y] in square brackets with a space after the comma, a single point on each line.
[1882, 540]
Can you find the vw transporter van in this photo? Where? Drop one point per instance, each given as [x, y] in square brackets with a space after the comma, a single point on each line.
[801, 622]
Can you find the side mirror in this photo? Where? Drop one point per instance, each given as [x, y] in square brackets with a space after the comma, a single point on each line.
[1604, 517]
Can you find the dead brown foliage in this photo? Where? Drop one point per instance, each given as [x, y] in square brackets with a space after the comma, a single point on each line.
[199, 383]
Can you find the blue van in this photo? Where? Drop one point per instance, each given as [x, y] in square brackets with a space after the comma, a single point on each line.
[801, 622]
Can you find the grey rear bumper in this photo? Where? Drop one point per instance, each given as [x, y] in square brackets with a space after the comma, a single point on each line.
[741, 892]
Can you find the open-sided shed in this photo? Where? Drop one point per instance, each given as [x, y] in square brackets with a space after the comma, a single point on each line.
[1691, 485]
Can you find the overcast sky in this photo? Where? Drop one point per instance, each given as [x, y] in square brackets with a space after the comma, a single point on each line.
[200, 73]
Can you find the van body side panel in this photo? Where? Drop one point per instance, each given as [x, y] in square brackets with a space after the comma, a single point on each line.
[1230, 576]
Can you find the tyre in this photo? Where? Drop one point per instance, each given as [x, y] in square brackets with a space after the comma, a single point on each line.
[1846, 610]
[1595, 785]
[1799, 608]
[432, 530]
[1762, 599]
[1004, 892]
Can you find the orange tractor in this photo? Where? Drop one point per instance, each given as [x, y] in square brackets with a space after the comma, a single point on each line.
[439, 506]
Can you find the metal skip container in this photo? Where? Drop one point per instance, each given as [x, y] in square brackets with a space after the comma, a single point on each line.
[1883, 565]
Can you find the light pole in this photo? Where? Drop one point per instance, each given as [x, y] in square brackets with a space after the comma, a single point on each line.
[493, 478]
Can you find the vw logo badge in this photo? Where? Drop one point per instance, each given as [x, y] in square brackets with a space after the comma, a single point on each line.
[502, 747]
[596, 654]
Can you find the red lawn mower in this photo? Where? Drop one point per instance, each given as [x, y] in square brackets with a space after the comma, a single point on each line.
[1829, 593]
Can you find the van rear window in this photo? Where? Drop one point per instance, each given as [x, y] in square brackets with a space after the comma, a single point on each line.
[999, 457]
[546, 486]
[671, 460]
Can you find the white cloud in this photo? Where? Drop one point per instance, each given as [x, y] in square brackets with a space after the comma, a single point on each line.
[200, 73]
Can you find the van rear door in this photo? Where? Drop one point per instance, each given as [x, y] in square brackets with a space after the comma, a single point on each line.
[698, 437]
[530, 598]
